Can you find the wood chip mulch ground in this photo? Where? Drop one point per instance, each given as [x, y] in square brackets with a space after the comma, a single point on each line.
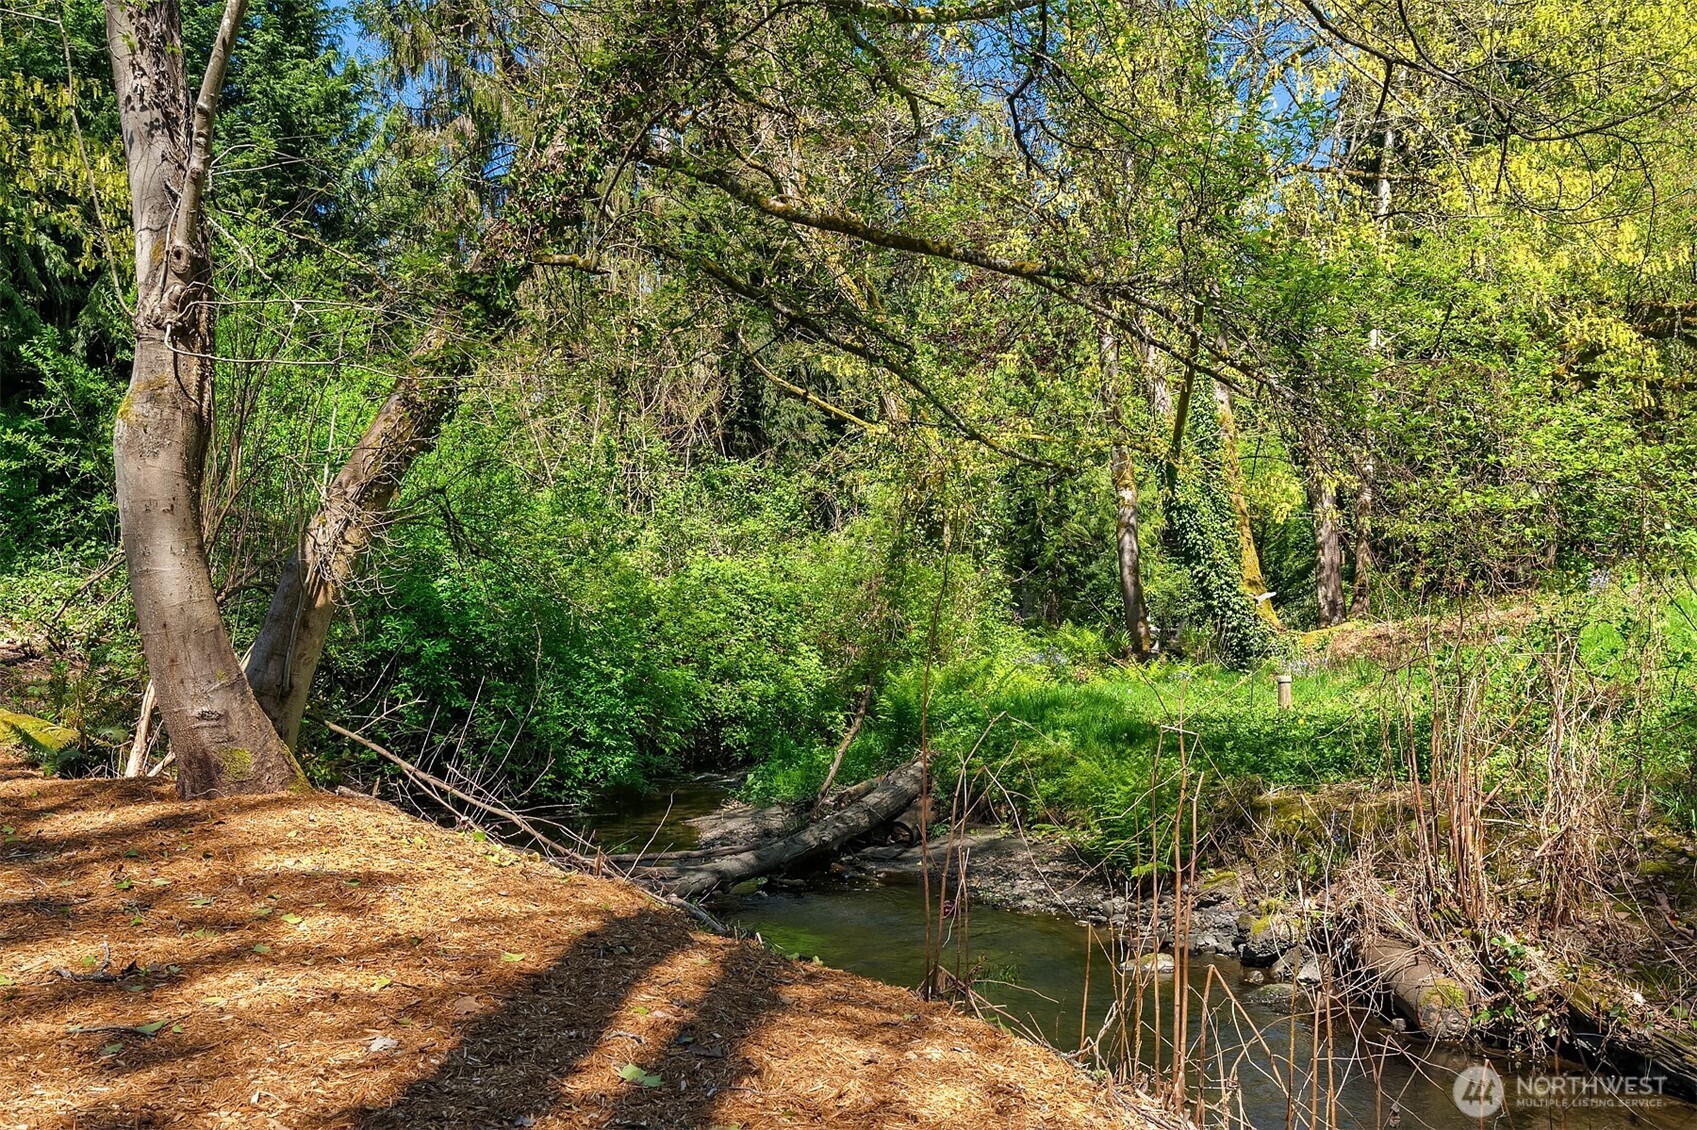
[326, 962]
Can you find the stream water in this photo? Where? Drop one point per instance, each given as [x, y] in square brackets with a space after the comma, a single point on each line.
[1032, 971]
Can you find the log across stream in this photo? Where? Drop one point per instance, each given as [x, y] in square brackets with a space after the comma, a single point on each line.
[1035, 968]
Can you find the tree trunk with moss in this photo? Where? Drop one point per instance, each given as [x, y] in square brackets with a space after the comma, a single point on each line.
[1122, 469]
[223, 740]
[1231, 468]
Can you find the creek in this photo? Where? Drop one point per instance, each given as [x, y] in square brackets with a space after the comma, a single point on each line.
[1031, 972]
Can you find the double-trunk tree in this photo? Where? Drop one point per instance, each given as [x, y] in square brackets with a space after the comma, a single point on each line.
[232, 730]
[223, 740]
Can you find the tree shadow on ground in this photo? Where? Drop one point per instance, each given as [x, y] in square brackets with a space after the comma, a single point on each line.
[555, 1049]
[321, 963]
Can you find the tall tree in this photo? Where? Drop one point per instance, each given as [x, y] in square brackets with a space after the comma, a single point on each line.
[223, 740]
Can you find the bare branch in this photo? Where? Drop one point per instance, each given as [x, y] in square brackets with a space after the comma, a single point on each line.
[205, 111]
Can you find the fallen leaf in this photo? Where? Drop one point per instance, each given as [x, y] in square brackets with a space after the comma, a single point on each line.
[631, 1073]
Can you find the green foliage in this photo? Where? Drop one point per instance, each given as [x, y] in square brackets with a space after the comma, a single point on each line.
[699, 496]
[89, 675]
[585, 647]
[1067, 740]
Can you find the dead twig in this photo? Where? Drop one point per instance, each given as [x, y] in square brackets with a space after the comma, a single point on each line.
[561, 852]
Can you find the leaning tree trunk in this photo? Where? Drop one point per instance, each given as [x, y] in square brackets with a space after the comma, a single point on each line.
[286, 652]
[223, 741]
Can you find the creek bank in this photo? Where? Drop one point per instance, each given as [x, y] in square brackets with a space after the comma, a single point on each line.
[1334, 942]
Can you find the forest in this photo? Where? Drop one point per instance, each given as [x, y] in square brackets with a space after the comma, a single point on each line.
[1247, 442]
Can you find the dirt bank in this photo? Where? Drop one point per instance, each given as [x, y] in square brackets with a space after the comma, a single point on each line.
[326, 962]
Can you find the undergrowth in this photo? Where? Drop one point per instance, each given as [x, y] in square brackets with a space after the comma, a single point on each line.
[1058, 736]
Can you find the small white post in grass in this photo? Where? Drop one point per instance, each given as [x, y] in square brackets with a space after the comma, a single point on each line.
[1283, 680]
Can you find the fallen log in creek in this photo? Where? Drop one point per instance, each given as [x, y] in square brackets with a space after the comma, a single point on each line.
[887, 799]
[738, 832]
[1430, 1000]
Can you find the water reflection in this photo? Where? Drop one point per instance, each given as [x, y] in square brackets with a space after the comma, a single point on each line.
[655, 821]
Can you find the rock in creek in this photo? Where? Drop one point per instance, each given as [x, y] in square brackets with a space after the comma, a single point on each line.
[1280, 995]
[1300, 965]
[1213, 941]
[1158, 963]
[1266, 938]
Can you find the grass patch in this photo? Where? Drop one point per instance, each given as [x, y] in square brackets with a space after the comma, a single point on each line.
[1098, 751]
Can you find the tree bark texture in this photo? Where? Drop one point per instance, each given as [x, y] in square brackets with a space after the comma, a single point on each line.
[223, 741]
[1320, 483]
[1328, 548]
